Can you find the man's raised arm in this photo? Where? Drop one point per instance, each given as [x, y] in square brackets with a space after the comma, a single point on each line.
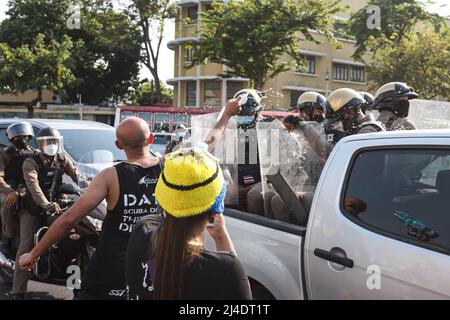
[95, 194]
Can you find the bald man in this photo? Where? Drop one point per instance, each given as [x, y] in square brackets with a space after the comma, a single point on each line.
[128, 188]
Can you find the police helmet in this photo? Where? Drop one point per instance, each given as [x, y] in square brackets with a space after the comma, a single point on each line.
[311, 100]
[393, 90]
[250, 101]
[19, 129]
[50, 141]
[342, 100]
[369, 98]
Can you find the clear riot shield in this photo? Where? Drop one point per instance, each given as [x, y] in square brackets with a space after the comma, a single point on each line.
[225, 146]
[289, 169]
[429, 114]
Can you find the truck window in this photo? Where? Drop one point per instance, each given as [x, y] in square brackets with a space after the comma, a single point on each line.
[403, 194]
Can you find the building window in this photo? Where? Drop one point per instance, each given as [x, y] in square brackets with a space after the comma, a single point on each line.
[341, 30]
[192, 14]
[126, 114]
[340, 72]
[212, 97]
[294, 97]
[233, 87]
[308, 64]
[357, 74]
[179, 118]
[162, 122]
[344, 72]
[191, 93]
[147, 116]
[189, 54]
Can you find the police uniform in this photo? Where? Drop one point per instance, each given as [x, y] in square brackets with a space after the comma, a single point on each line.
[394, 123]
[392, 100]
[11, 180]
[38, 172]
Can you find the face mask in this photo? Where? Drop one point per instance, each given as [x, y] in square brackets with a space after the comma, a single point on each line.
[51, 149]
[181, 134]
[317, 118]
[245, 120]
[402, 108]
[19, 144]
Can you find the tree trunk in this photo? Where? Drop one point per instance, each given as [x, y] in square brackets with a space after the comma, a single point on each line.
[30, 106]
[259, 83]
[157, 86]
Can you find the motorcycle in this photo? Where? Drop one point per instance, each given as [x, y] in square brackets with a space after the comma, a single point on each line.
[76, 249]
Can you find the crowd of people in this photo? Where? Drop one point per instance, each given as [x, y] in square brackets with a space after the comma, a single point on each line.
[163, 255]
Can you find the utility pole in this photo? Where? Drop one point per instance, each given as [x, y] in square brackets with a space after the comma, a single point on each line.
[80, 105]
[327, 80]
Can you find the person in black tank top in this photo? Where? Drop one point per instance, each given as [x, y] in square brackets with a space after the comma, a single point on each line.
[106, 274]
[129, 189]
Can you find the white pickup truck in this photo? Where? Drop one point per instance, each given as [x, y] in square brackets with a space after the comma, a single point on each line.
[378, 226]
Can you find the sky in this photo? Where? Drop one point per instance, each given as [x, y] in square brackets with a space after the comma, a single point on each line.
[167, 56]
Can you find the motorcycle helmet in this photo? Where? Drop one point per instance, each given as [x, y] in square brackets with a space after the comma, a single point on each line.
[340, 103]
[19, 129]
[17, 132]
[251, 106]
[309, 102]
[369, 101]
[50, 141]
[391, 97]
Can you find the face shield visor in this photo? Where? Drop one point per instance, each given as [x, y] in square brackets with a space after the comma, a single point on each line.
[50, 146]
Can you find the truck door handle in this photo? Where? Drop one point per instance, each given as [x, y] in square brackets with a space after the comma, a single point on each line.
[334, 257]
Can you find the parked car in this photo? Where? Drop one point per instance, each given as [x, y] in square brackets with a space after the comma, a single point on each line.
[378, 225]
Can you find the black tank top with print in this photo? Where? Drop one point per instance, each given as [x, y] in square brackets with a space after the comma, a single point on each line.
[106, 274]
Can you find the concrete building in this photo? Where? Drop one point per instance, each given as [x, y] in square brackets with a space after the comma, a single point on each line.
[328, 68]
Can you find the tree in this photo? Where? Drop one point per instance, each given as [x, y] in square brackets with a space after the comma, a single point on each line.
[250, 36]
[152, 16]
[397, 19]
[35, 67]
[422, 60]
[106, 49]
[145, 94]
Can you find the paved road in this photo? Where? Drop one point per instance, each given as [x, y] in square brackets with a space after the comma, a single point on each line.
[39, 291]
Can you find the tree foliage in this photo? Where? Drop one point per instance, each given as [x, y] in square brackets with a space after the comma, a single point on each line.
[145, 94]
[105, 53]
[398, 19]
[36, 67]
[250, 36]
[422, 60]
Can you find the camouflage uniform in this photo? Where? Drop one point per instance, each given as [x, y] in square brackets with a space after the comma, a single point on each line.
[394, 123]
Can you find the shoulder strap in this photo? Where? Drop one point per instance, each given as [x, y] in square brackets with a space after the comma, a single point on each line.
[161, 160]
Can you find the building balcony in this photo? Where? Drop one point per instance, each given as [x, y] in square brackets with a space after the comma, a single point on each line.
[180, 41]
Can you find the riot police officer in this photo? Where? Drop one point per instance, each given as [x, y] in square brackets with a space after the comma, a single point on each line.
[311, 106]
[249, 172]
[343, 117]
[43, 178]
[11, 178]
[392, 100]
[178, 141]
